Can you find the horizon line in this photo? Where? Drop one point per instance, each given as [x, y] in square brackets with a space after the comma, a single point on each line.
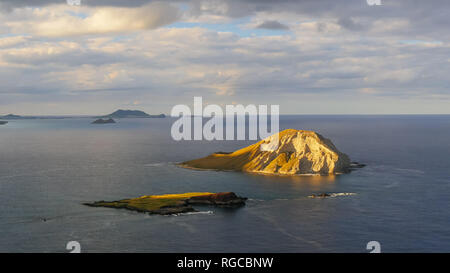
[298, 114]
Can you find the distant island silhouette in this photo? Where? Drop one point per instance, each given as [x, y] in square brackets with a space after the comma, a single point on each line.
[132, 114]
[103, 121]
[117, 114]
[12, 116]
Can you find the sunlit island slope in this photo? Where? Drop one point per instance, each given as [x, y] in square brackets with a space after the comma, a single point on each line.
[174, 203]
[299, 152]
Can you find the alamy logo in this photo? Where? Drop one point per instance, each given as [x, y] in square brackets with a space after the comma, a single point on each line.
[374, 247]
[74, 247]
[374, 2]
[213, 129]
[74, 2]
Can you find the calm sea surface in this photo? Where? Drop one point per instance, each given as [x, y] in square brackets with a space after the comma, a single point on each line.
[48, 168]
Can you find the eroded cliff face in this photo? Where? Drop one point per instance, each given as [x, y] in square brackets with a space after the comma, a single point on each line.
[298, 152]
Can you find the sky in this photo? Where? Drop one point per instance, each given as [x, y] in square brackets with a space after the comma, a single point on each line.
[309, 57]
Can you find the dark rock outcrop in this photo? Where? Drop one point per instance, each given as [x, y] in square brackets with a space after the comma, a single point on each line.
[103, 121]
[223, 199]
[3, 122]
[321, 195]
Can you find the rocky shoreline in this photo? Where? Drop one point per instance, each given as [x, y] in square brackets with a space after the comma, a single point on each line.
[223, 199]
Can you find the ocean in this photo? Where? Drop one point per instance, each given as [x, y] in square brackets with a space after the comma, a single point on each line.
[49, 167]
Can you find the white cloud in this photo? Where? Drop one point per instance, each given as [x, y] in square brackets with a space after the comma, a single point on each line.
[322, 63]
[12, 41]
[63, 20]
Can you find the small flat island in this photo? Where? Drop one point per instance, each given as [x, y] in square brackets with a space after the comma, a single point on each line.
[2, 122]
[174, 203]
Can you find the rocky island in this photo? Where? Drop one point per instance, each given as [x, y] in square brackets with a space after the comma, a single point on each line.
[174, 203]
[299, 152]
[132, 114]
[103, 121]
[3, 122]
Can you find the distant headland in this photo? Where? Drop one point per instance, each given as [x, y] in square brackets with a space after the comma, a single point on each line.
[299, 152]
[12, 117]
[131, 114]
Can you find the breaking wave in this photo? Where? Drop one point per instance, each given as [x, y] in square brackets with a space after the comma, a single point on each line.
[155, 164]
[329, 195]
[208, 212]
[342, 194]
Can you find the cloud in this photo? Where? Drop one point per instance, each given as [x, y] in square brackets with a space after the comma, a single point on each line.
[351, 24]
[272, 25]
[335, 58]
[12, 41]
[354, 15]
[11, 4]
[62, 22]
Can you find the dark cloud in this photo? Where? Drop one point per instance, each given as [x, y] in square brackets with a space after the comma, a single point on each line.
[425, 17]
[272, 25]
[428, 17]
[350, 24]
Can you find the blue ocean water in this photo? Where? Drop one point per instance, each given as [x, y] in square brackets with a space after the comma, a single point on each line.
[49, 167]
